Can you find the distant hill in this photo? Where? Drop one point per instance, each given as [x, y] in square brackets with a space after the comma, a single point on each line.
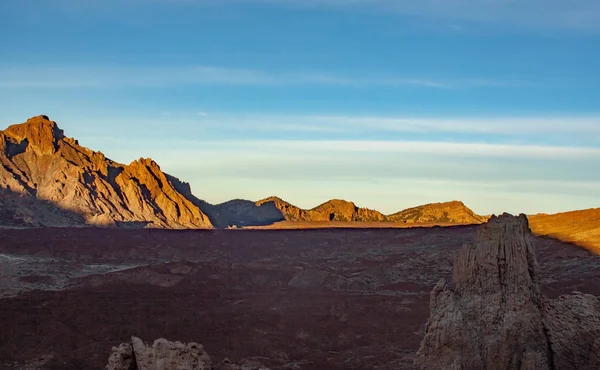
[240, 213]
[454, 212]
[332, 210]
[579, 227]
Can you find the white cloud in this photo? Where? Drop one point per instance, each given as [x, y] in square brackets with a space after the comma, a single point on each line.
[538, 128]
[421, 147]
[581, 15]
[202, 114]
[493, 125]
[111, 77]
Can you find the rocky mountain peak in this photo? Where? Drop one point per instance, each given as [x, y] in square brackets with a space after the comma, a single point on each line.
[37, 160]
[147, 162]
[38, 134]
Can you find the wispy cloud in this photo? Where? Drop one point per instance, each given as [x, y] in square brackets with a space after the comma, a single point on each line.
[532, 127]
[572, 14]
[502, 125]
[114, 77]
[422, 147]
[494, 178]
[582, 15]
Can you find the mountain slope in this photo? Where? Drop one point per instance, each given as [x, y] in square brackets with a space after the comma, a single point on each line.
[454, 212]
[36, 159]
[579, 227]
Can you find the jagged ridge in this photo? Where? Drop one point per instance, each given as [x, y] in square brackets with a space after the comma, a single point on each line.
[36, 159]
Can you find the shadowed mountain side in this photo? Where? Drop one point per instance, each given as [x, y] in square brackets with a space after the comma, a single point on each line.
[18, 210]
[237, 212]
[23, 211]
[578, 227]
[240, 213]
[37, 160]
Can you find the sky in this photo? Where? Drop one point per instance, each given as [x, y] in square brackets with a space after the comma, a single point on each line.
[388, 103]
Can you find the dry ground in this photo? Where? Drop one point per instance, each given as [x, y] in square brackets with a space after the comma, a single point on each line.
[292, 299]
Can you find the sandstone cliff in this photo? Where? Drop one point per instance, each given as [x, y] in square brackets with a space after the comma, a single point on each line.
[454, 212]
[38, 160]
[493, 316]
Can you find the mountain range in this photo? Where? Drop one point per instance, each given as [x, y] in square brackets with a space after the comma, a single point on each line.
[48, 179]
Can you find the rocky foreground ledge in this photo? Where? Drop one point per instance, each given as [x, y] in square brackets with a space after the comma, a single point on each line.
[166, 355]
[493, 315]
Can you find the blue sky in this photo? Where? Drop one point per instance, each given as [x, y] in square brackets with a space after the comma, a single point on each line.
[389, 103]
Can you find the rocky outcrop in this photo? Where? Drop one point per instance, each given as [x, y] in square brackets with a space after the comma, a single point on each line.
[166, 355]
[454, 212]
[161, 355]
[37, 160]
[121, 358]
[493, 315]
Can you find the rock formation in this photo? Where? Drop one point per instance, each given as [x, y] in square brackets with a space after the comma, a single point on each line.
[37, 160]
[162, 355]
[166, 355]
[454, 212]
[493, 315]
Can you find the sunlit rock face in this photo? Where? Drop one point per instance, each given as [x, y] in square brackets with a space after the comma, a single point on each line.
[37, 160]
